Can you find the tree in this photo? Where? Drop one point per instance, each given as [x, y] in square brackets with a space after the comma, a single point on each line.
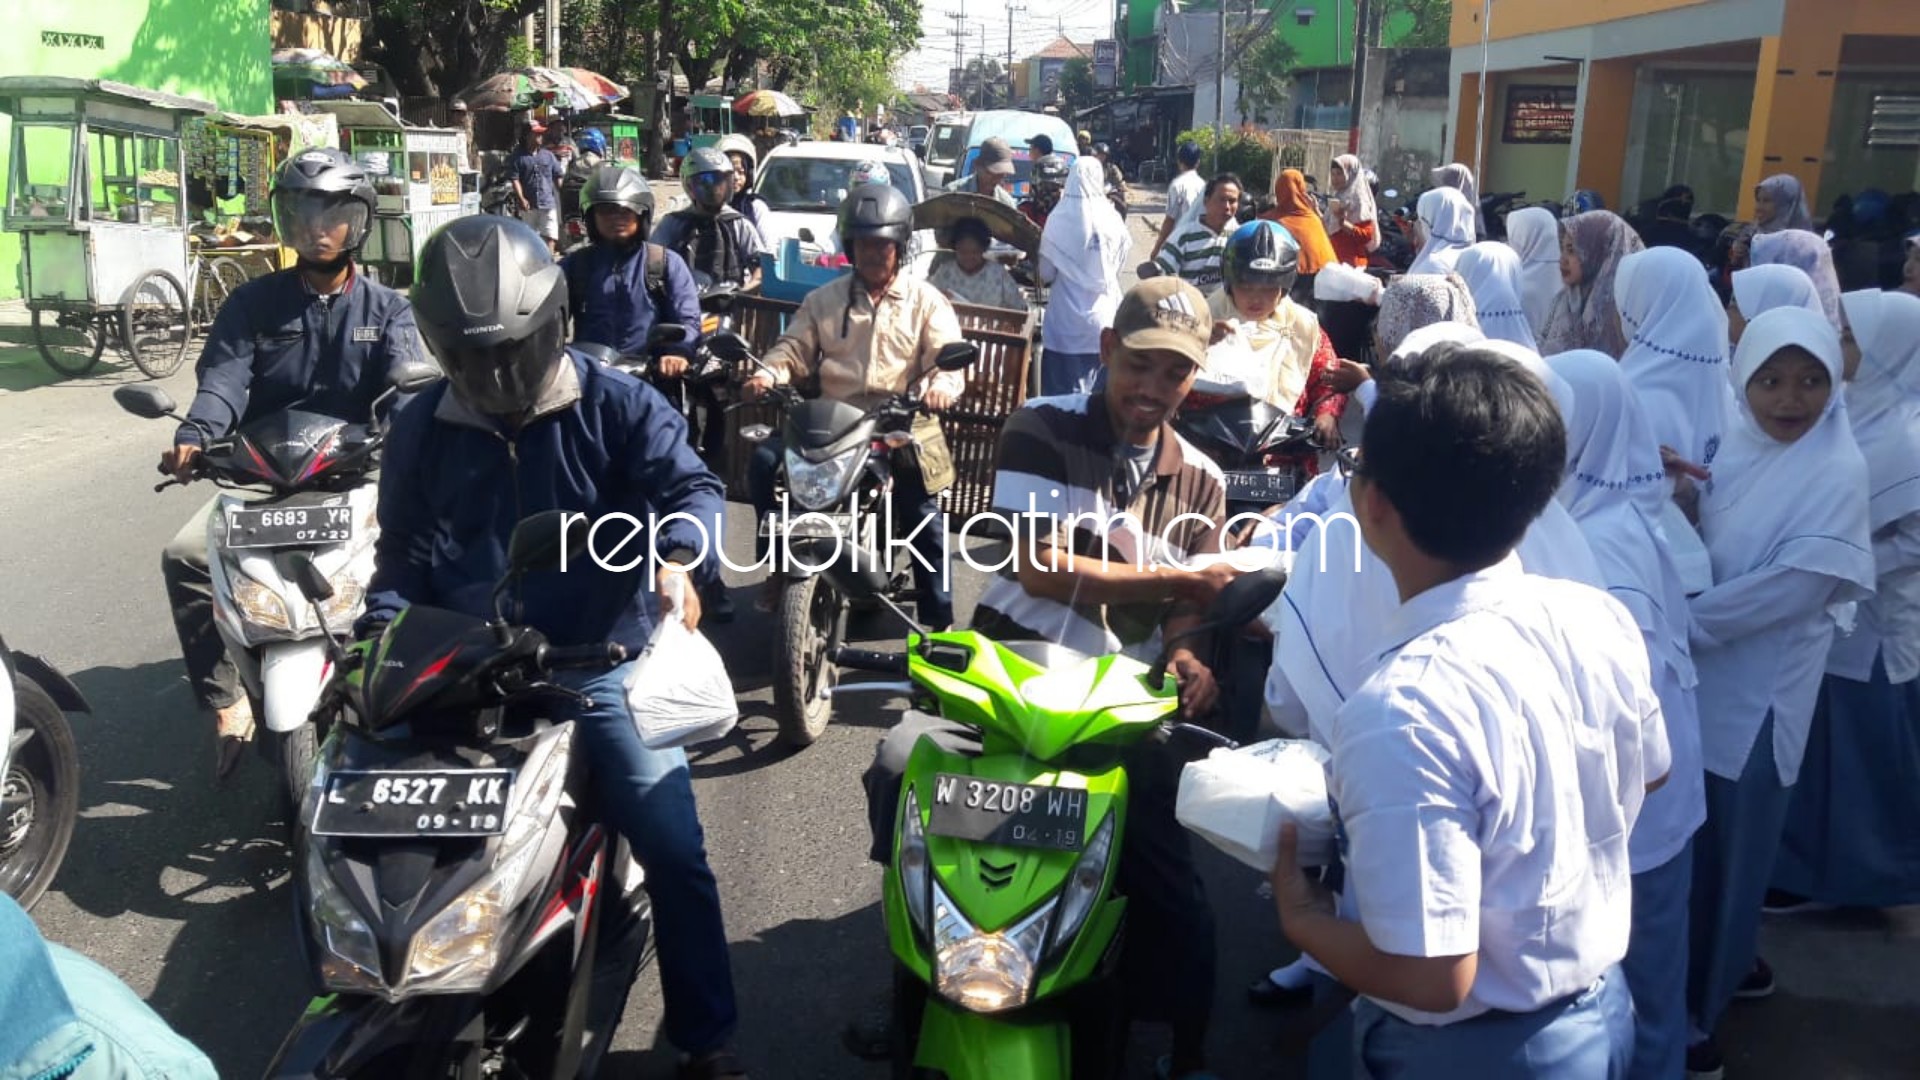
[1263, 66]
[1417, 24]
[1076, 85]
[436, 48]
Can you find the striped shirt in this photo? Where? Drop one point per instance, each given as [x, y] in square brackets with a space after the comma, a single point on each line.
[1059, 459]
[1195, 252]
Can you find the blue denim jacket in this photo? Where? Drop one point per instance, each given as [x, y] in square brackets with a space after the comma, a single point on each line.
[110, 1035]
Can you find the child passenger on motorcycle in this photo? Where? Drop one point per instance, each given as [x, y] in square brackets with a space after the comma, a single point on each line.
[1285, 339]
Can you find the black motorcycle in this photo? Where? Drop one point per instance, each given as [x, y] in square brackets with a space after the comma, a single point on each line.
[465, 912]
[1262, 450]
[40, 792]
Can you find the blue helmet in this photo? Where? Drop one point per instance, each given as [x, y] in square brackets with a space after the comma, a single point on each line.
[1584, 200]
[592, 141]
[1262, 254]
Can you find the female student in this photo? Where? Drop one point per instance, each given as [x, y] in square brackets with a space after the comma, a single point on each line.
[1353, 223]
[1418, 300]
[1492, 271]
[1779, 202]
[1584, 316]
[1614, 487]
[1081, 252]
[1676, 355]
[1760, 289]
[1534, 234]
[1761, 634]
[1446, 230]
[1808, 253]
[1851, 831]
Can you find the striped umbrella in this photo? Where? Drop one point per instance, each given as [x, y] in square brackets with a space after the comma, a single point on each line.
[767, 103]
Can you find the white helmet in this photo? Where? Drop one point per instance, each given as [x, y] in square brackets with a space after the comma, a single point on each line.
[869, 172]
[737, 143]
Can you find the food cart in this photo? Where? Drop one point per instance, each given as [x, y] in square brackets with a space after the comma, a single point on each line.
[420, 182]
[95, 191]
[231, 162]
[624, 145]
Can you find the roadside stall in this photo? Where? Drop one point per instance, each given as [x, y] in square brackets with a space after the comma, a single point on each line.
[96, 194]
[420, 181]
[624, 143]
[231, 162]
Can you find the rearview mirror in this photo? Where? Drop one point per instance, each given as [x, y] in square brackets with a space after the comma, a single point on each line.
[145, 402]
[730, 347]
[598, 353]
[413, 376]
[1246, 596]
[541, 542]
[806, 236]
[667, 333]
[956, 356]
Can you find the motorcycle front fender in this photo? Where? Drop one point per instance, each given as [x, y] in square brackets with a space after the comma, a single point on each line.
[291, 676]
[48, 678]
[341, 1038]
[964, 1045]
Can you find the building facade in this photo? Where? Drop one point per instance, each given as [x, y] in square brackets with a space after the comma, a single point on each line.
[1629, 97]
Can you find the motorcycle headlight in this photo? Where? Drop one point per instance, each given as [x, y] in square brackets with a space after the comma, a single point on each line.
[914, 863]
[344, 606]
[350, 957]
[985, 973]
[260, 605]
[816, 485]
[1084, 888]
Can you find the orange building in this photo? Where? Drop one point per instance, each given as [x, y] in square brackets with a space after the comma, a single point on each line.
[1627, 97]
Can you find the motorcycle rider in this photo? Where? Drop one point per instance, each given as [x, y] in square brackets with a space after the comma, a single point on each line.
[713, 237]
[1072, 462]
[869, 335]
[1049, 183]
[992, 173]
[745, 157]
[620, 285]
[521, 426]
[318, 337]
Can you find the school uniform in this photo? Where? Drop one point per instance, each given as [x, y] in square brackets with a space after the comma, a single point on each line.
[1614, 487]
[1785, 525]
[1485, 779]
[1851, 834]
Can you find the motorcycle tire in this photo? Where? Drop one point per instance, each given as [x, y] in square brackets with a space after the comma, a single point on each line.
[293, 755]
[803, 678]
[43, 783]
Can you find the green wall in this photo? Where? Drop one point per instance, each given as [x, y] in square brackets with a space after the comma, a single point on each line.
[1317, 43]
[216, 50]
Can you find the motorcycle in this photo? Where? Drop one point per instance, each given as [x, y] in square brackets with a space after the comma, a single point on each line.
[1261, 450]
[464, 912]
[317, 473]
[40, 790]
[498, 197]
[1000, 899]
[837, 470]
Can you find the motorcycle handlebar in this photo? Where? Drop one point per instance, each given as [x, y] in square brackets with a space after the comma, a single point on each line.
[601, 654]
[884, 663]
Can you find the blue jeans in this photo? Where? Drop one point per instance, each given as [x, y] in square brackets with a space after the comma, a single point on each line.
[1066, 372]
[648, 796]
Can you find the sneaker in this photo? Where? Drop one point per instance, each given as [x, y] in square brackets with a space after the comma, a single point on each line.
[1758, 983]
[233, 730]
[1704, 1061]
[1782, 902]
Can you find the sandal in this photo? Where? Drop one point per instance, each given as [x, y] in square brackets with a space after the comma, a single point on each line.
[234, 728]
[719, 1065]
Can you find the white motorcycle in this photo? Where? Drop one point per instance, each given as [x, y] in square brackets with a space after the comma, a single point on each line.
[309, 495]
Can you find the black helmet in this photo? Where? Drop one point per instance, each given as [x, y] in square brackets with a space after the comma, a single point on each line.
[491, 304]
[875, 210]
[1262, 254]
[1050, 169]
[617, 185]
[316, 192]
[705, 174]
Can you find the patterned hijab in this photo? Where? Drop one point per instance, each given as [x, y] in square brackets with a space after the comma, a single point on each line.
[1418, 300]
[1807, 252]
[1790, 204]
[1586, 316]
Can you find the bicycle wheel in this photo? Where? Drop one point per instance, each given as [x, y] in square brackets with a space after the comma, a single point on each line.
[69, 344]
[155, 327]
[218, 278]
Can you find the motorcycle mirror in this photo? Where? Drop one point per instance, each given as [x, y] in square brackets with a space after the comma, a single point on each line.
[312, 583]
[806, 236]
[956, 356]
[702, 280]
[145, 402]
[543, 542]
[414, 376]
[664, 334]
[1241, 602]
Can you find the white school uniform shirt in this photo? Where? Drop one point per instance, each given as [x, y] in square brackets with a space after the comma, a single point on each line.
[1486, 778]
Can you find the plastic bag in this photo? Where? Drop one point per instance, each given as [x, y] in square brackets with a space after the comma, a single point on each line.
[678, 690]
[1237, 800]
[1339, 281]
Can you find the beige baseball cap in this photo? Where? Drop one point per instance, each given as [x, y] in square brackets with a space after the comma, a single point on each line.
[996, 157]
[1165, 313]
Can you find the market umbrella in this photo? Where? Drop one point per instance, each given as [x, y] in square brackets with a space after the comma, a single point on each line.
[524, 88]
[1005, 223]
[596, 84]
[316, 66]
[767, 103]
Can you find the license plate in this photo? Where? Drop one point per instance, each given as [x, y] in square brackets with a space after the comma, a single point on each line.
[289, 526]
[809, 526]
[427, 802]
[1263, 486]
[1001, 812]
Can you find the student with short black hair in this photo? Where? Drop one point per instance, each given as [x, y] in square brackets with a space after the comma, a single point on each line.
[1486, 776]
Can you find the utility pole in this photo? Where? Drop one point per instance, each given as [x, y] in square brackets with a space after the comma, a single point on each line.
[553, 33]
[1011, 10]
[981, 82]
[1220, 91]
[1362, 37]
[959, 33]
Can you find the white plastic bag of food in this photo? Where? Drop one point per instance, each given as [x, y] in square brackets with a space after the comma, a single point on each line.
[678, 690]
[1237, 800]
[1339, 281]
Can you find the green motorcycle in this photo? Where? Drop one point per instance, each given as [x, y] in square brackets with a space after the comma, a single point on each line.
[1000, 898]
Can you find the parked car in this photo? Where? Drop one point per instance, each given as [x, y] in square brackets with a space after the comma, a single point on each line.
[917, 139]
[804, 185]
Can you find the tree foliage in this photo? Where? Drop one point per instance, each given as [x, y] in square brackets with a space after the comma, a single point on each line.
[1417, 24]
[1077, 89]
[436, 48]
[1263, 68]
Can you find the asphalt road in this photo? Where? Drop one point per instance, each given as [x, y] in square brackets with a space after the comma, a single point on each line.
[182, 888]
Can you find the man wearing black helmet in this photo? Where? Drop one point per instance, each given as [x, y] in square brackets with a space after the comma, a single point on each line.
[714, 238]
[866, 336]
[318, 337]
[1049, 183]
[521, 426]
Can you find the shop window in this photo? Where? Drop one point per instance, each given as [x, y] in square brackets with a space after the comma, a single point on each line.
[42, 174]
[133, 178]
[1689, 127]
[1874, 136]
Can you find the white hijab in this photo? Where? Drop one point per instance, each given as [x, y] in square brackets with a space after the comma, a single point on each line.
[1492, 272]
[1881, 404]
[1535, 236]
[1460, 178]
[1447, 218]
[1676, 356]
[1357, 197]
[1791, 504]
[1084, 240]
[1760, 289]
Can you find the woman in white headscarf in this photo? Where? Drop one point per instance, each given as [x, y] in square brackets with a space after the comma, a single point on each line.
[1082, 250]
[1446, 230]
[1492, 272]
[1353, 222]
[1584, 316]
[1460, 178]
[1808, 253]
[1614, 488]
[1534, 234]
[1785, 520]
[1779, 202]
[1850, 832]
[1676, 356]
[1760, 289]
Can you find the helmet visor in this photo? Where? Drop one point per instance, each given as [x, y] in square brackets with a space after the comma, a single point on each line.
[319, 227]
[710, 189]
[505, 379]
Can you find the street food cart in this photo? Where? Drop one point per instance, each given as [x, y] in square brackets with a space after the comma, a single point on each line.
[94, 189]
[624, 143]
[420, 182]
[231, 162]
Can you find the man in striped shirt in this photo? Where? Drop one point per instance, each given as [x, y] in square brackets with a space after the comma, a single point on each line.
[1199, 243]
[1107, 504]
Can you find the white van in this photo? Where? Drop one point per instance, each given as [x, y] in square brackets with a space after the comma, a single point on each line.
[956, 140]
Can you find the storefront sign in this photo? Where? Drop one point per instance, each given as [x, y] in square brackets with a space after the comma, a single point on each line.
[55, 39]
[1540, 114]
[1106, 63]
